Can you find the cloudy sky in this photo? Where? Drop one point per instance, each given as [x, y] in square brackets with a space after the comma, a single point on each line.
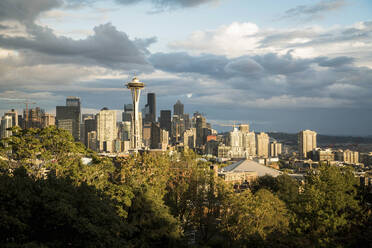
[279, 65]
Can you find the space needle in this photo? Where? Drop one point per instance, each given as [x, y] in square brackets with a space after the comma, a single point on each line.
[135, 86]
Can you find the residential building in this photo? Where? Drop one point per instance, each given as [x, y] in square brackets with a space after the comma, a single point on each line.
[244, 128]
[347, 156]
[6, 124]
[306, 142]
[262, 143]
[13, 113]
[319, 154]
[48, 120]
[275, 149]
[106, 130]
[189, 138]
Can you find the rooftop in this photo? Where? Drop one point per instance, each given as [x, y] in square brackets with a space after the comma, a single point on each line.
[250, 165]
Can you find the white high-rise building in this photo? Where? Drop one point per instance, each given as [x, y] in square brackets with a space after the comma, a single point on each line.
[14, 114]
[306, 142]
[6, 122]
[275, 149]
[249, 143]
[106, 130]
[262, 144]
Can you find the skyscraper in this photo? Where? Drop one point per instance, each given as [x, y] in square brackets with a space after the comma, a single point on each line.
[166, 120]
[178, 108]
[306, 142]
[106, 130]
[275, 149]
[128, 112]
[90, 125]
[6, 123]
[244, 128]
[249, 143]
[68, 117]
[151, 105]
[200, 125]
[13, 113]
[262, 144]
[73, 101]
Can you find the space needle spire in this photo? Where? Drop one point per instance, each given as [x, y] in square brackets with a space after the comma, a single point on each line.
[135, 86]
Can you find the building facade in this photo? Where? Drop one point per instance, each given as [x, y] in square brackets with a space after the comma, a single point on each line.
[178, 108]
[106, 130]
[306, 142]
[262, 143]
[275, 149]
[6, 124]
[68, 117]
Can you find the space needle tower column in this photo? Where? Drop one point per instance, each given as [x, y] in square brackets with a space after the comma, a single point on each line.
[135, 86]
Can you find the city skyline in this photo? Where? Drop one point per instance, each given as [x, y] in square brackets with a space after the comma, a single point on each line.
[306, 65]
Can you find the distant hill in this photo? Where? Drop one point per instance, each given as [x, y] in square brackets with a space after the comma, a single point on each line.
[291, 138]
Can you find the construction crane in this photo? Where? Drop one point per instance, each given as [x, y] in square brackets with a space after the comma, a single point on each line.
[26, 102]
[226, 125]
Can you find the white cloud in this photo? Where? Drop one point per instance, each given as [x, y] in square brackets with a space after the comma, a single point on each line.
[238, 39]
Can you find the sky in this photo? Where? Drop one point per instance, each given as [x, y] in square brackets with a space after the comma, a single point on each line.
[282, 66]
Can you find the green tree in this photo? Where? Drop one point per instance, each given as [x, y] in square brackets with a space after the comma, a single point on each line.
[327, 206]
[149, 219]
[250, 219]
[54, 212]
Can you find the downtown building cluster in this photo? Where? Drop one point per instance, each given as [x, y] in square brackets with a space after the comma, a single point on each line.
[105, 133]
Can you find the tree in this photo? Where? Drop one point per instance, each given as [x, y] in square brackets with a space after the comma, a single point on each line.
[249, 219]
[327, 205]
[149, 219]
[40, 149]
[54, 212]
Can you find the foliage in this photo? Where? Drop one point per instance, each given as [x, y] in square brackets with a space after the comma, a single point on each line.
[327, 206]
[250, 218]
[51, 199]
[53, 212]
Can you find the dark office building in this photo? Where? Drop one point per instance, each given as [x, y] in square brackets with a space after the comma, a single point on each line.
[90, 124]
[151, 106]
[68, 117]
[128, 112]
[201, 126]
[155, 135]
[73, 101]
[166, 120]
[186, 118]
[178, 108]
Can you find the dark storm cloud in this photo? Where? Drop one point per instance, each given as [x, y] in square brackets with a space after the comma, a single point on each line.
[314, 10]
[107, 47]
[212, 65]
[335, 62]
[3, 27]
[273, 75]
[243, 66]
[284, 64]
[25, 10]
[220, 66]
